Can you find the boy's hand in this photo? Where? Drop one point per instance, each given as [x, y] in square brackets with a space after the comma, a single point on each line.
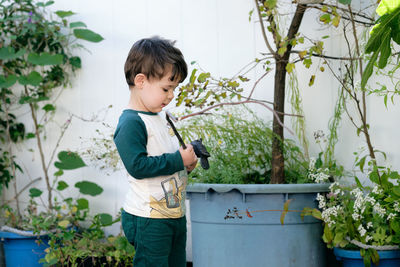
[191, 167]
[188, 155]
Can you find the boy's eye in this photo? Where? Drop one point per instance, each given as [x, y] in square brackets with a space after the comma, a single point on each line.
[165, 90]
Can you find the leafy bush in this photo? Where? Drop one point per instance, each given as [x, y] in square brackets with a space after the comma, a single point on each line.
[240, 145]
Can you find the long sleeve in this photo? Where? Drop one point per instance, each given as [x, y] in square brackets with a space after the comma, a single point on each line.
[131, 140]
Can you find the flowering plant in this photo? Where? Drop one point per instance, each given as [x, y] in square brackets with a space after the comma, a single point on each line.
[363, 217]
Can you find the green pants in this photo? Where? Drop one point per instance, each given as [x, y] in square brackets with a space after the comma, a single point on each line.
[157, 242]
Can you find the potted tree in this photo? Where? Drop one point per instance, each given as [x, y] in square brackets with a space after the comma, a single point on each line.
[207, 93]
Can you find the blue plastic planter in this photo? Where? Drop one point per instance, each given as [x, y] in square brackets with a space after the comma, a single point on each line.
[352, 258]
[260, 240]
[23, 251]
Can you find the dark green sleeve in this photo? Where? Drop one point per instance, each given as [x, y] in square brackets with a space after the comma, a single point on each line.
[130, 138]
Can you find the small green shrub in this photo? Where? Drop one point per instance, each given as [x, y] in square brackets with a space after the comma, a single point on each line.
[240, 145]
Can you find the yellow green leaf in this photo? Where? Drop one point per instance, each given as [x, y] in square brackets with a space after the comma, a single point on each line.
[63, 223]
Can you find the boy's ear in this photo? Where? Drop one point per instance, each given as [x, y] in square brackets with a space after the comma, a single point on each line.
[139, 80]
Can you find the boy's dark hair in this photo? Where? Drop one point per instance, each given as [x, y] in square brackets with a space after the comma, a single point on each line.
[151, 56]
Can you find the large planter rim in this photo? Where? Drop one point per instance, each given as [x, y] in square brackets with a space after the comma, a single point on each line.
[258, 188]
[29, 235]
[355, 254]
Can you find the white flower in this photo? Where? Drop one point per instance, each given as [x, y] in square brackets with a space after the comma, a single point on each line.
[377, 190]
[361, 230]
[335, 184]
[328, 213]
[391, 216]
[397, 206]
[380, 210]
[356, 216]
[368, 238]
[311, 165]
[321, 201]
[369, 225]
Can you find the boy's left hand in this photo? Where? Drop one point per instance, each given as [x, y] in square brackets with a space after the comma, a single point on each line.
[192, 166]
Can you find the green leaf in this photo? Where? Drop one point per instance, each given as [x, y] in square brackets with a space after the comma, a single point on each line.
[396, 190]
[77, 24]
[62, 14]
[75, 62]
[69, 161]
[30, 135]
[8, 53]
[33, 78]
[387, 7]
[88, 35]
[345, 2]
[358, 182]
[105, 219]
[49, 107]
[89, 188]
[45, 59]
[316, 214]
[83, 203]
[59, 173]
[203, 76]
[61, 185]
[63, 223]
[368, 70]
[6, 82]
[385, 50]
[34, 192]
[285, 210]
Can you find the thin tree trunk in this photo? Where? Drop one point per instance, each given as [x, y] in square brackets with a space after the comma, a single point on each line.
[278, 161]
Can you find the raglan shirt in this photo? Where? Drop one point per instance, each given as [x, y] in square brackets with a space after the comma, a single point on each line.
[149, 151]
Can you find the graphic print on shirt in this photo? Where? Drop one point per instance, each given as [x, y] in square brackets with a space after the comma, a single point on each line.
[170, 188]
[172, 204]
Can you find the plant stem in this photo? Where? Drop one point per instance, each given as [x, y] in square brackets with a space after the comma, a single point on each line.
[363, 112]
[42, 158]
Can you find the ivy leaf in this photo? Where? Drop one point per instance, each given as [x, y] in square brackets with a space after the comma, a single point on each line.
[8, 53]
[45, 59]
[62, 14]
[33, 78]
[34, 192]
[69, 161]
[89, 188]
[6, 82]
[83, 203]
[61, 185]
[345, 2]
[105, 219]
[88, 35]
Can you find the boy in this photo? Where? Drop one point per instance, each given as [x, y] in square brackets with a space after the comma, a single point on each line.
[153, 216]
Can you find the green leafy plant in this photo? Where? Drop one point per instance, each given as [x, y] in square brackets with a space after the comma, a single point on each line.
[240, 145]
[363, 217]
[37, 62]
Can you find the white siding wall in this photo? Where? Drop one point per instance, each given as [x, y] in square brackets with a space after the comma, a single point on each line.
[216, 34]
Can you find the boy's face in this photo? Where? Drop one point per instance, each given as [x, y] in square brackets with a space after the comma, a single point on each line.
[156, 94]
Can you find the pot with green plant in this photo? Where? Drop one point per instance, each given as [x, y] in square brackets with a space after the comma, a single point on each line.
[36, 65]
[233, 208]
[361, 219]
[207, 93]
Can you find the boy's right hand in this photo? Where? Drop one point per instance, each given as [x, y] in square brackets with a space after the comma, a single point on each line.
[188, 155]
